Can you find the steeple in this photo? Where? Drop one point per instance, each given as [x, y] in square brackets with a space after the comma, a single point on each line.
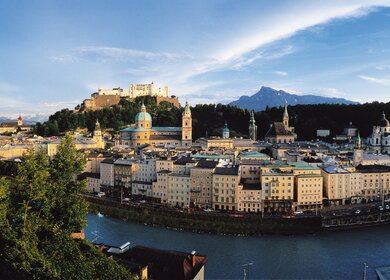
[252, 118]
[358, 142]
[358, 151]
[187, 110]
[97, 131]
[20, 120]
[285, 117]
[225, 131]
[252, 127]
[186, 126]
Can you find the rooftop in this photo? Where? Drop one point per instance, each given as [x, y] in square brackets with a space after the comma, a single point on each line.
[227, 170]
[207, 164]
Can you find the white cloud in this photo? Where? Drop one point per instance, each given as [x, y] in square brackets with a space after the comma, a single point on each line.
[102, 53]
[233, 51]
[379, 81]
[382, 67]
[280, 73]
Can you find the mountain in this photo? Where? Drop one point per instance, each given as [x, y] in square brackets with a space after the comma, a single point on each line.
[270, 97]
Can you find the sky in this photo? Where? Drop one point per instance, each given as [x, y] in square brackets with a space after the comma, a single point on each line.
[54, 54]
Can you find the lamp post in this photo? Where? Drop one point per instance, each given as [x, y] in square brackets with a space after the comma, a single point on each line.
[245, 272]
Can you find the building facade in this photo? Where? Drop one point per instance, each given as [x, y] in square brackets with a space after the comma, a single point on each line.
[143, 133]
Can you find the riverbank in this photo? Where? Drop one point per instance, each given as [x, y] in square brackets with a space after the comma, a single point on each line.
[207, 223]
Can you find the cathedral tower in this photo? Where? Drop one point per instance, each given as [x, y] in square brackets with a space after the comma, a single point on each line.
[186, 126]
[97, 136]
[252, 127]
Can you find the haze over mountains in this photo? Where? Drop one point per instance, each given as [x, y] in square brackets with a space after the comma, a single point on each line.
[270, 97]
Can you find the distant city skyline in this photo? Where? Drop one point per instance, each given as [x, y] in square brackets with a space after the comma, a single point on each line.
[54, 54]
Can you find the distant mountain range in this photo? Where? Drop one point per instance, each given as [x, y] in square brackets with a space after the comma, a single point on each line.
[28, 119]
[270, 97]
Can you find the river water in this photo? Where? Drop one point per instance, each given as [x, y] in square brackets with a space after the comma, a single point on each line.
[328, 255]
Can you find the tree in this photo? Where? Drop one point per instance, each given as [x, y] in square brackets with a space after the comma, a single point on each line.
[38, 211]
[69, 208]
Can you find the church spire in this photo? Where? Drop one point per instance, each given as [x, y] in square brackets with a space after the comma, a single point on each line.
[359, 142]
[252, 127]
[285, 117]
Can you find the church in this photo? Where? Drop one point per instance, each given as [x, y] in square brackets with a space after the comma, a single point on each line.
[281, 132]
[379, 141]
[144, 133]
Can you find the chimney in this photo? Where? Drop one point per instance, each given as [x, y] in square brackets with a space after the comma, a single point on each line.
[193, 261]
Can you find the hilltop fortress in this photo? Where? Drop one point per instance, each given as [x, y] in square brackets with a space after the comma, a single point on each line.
[109, 97]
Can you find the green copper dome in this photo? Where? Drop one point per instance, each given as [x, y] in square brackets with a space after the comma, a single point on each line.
[143, 115]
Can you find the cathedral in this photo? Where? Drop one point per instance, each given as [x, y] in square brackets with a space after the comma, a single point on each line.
[379, 141]
[144, 133]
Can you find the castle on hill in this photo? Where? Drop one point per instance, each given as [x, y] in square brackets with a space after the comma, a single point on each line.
[109, 97]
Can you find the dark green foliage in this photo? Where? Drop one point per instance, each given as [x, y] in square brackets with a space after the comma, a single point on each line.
[305, 118]
[8, 168]
[39, 209]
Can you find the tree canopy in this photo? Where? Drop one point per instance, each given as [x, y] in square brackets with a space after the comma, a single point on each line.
[39, 209]
[211, 118]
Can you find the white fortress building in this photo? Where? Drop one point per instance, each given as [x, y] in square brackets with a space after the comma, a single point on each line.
[135, 90]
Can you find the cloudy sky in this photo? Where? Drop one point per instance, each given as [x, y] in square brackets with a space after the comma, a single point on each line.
[54, 54]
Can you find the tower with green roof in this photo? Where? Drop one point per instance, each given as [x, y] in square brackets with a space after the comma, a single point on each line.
[225, 131]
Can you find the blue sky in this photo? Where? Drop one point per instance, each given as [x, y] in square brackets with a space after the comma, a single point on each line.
[54, 54]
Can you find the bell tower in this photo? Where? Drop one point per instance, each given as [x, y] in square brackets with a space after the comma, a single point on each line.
[20, 120]
[252, 127]
[358, 151]
[186, 127]
[97, 136]
[285, 117]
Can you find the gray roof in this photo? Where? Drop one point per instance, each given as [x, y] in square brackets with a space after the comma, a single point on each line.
[227, 170]
[278, 129]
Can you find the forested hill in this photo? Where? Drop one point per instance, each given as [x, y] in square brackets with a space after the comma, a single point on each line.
[305, 118]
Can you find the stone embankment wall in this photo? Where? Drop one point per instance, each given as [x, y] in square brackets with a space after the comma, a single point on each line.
[216, 223]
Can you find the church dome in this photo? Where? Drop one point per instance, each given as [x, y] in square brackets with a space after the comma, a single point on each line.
[143, 115]
[383, 122]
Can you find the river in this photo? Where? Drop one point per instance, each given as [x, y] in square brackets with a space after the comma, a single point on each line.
[327, 255]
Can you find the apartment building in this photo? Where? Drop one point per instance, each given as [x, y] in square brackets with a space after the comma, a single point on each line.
[249, 198]
[202, 183]
[225, 187]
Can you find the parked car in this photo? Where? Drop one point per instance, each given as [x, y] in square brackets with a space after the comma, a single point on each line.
[357, 211]
[387, 207]
[298, 212]
[380, 208]
[126, 199]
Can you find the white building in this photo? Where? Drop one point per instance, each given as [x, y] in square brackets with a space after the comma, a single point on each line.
[179, 190]
[107, 172]
[380, 137]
